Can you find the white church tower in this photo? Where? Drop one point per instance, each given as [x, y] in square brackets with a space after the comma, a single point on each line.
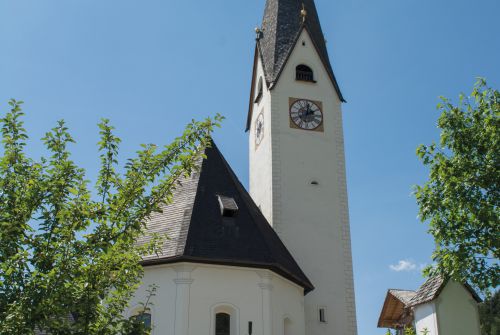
[297, 163]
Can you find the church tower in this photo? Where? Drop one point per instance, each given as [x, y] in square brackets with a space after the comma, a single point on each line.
[297, 163]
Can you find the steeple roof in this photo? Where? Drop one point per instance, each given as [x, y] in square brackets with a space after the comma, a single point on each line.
[281, 27]
[213, 220]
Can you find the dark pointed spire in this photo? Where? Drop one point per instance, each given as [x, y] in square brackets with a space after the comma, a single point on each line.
[282, 24]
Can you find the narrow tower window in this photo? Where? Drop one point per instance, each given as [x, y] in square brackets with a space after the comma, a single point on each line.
[304, 73]
[222, 324]
[260, 91]
[322, 315]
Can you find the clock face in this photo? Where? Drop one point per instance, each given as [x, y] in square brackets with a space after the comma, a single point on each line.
[259, 129]
[306, 114]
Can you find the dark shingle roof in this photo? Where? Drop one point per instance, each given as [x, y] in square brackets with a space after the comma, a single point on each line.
[281, 27]
[198, 232]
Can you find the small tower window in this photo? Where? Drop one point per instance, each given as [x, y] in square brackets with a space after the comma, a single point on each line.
[304, 73]
[260, 91]
[222, 324]
[322, 315]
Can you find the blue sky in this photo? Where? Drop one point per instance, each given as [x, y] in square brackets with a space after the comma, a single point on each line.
[151, 66]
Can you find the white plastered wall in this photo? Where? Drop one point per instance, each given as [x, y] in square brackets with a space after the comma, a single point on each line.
[457, 311]
[162, 310]
[236, 290]
[425, 318]
[261, 155]
[312, 220]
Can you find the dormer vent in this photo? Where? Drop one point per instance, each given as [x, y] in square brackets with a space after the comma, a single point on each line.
[228, 206]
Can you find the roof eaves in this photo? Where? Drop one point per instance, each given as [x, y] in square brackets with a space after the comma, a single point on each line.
[473, 293]
[229, 262]
[380, 323]
[326, 65]
[258, 55]
[252, 89]
[429, 291]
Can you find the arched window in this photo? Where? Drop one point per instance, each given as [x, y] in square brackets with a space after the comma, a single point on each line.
[260, 91]
[304, 73]
[287, 326]
[222, 324]
[225, 319]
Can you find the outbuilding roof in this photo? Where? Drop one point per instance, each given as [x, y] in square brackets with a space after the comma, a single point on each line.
[394, 313]
[432, 288]
[199, 230]
[397, 309]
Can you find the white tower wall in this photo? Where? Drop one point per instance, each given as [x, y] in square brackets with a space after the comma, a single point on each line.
[312, 220]
[261, 176]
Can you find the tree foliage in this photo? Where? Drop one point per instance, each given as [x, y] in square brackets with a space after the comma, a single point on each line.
[67, 247]
[489, 312]
[460, 200]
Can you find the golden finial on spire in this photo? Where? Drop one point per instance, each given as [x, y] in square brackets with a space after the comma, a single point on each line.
[303, 13]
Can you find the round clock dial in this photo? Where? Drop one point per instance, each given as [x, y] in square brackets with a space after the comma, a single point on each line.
[305, 114]
[259, 129]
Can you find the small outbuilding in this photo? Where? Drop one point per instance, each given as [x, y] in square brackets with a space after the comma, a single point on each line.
[439, 307]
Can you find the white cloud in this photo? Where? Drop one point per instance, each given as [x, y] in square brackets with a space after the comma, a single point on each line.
[404, 265]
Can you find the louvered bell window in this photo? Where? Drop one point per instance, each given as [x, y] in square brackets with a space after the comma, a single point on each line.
[304, 73]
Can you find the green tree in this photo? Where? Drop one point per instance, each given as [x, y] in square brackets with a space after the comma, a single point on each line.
[489, 312]
[410, 331]
[67, 247]
[460, 200]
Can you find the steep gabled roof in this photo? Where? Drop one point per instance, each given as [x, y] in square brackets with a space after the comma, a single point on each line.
[394, 313]
[281, 27]
[432, 288]
[198, 232]
[397, 309]
[404, 296]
